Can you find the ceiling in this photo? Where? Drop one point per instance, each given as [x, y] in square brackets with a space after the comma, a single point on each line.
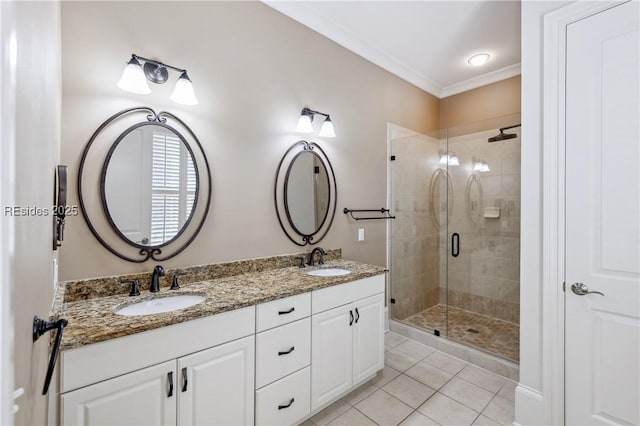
[426, 43]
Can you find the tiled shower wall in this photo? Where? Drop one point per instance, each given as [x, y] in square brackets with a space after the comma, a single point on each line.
[484, 278]
[415, 271]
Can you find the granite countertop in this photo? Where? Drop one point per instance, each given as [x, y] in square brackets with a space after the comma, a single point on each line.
[93, 320]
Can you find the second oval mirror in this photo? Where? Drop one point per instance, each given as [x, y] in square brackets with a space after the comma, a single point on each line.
[305, 193]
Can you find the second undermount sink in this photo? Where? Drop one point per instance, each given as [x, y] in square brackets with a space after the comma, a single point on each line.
[161, 304]
[328, 272]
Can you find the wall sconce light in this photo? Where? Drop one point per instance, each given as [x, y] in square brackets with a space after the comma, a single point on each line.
[449, 158]
[305, 126]
[134, 79]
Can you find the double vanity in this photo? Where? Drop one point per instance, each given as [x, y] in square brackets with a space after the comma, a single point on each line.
[262, 343]
[266, 341]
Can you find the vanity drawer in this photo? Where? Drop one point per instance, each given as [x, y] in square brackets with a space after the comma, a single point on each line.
[338, 295]
[282, 350]
[286, 401]
[282, 311]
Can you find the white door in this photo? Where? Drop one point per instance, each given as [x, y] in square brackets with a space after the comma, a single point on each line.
[144, 397]
[331, 354]
[368, 337]
[602, 219]
[216, 386]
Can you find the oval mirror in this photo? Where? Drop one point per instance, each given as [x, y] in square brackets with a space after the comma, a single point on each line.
[306, 193]
[149, 185]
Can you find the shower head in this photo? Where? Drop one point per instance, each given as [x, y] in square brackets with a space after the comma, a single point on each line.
[504, 136]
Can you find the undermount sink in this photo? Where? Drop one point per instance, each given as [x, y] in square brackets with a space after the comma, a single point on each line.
[161, 304]
[328, 272]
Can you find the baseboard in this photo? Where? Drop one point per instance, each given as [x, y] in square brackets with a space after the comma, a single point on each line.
[529, 406]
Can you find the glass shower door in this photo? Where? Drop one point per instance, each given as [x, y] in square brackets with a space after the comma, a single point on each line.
[483, 244]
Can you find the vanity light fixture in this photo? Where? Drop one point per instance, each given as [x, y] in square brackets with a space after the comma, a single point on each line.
[134, 79]
[305, 126]
[479, 59]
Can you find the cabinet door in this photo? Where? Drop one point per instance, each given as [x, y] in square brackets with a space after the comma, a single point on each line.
[218, 389]
[331, 356]
[143, 397]
[368, 337]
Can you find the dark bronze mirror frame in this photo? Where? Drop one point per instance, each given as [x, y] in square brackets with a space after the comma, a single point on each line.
[147, 252]
[280, 198]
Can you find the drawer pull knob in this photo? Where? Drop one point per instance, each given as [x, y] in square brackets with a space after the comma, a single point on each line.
[350, 317]
[357, 315]
[286, 312]
[280, 407]
[286, 352]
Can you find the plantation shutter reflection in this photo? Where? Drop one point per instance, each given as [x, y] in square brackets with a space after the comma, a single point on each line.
[191, 185]
[165, 187]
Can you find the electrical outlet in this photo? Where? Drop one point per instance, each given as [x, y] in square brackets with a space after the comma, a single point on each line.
[361, 234]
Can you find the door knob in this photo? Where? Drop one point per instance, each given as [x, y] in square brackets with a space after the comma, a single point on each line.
[581, 289]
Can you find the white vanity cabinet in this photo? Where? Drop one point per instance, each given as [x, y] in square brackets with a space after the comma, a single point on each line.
[138, 398]
[271, 364]
[347, 345]
[215, 386]
[109, 383]
[283, 357]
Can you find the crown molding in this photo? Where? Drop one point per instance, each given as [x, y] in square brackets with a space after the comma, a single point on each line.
[481, 80]
[307, 15]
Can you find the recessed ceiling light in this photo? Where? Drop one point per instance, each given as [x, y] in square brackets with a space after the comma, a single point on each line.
[479, 59]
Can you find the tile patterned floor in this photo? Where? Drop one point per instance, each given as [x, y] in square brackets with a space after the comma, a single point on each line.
[422, 386]
[493, 335]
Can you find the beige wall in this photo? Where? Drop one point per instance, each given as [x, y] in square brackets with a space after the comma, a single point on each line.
[253, 70]
[484, 103]
[36, 26]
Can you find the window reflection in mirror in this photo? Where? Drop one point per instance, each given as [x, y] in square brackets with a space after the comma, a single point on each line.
[150, 184]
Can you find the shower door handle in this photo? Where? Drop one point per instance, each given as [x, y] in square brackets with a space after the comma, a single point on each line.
[455, 244]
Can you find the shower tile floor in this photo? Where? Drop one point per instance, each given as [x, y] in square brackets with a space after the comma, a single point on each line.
[491, 335]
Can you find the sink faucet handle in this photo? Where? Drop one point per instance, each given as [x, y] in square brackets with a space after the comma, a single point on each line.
[159, 270]
[135, 291]
[174, 282]
[301, 264]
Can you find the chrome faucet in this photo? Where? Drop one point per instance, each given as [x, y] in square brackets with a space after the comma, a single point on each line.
[158, 272]
[312, 255]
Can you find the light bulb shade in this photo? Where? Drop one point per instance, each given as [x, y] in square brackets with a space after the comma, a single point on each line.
[477, 166]
[183, 92]
[327, 131]
[304, 124]
[453, 160]
[485, 167]
[133, 79]
[479, 59]
[444, 159]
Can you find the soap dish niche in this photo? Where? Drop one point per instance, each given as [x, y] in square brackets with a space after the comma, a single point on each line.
[492, 212]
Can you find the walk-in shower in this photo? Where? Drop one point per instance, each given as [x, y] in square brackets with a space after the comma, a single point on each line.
[454, 246]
